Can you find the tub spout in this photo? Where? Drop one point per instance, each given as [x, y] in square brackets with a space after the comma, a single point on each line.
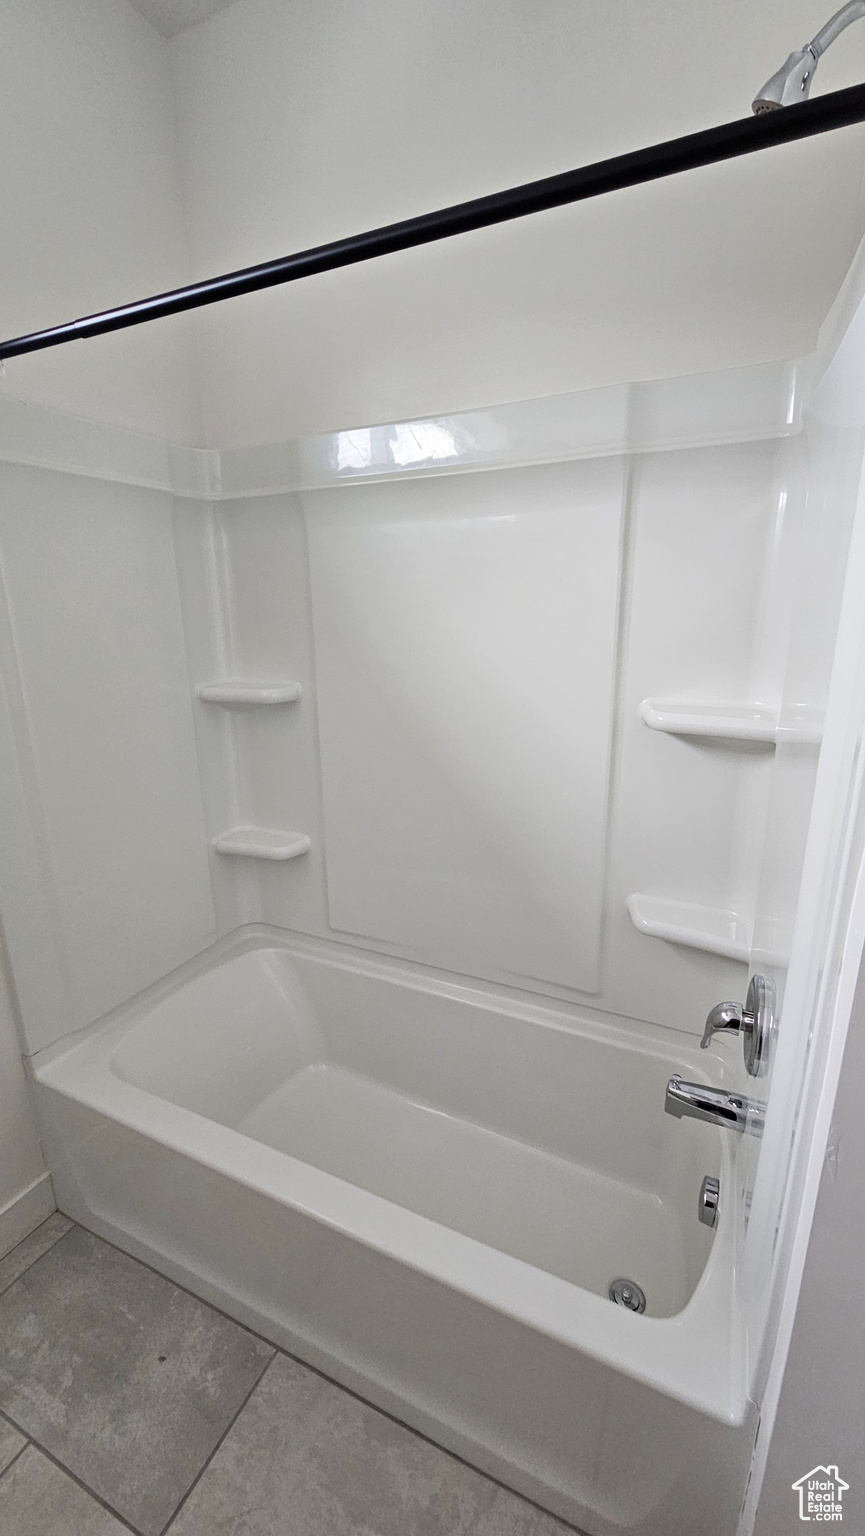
[715, 1105]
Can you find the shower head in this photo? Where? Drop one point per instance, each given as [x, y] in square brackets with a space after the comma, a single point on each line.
[792, 82]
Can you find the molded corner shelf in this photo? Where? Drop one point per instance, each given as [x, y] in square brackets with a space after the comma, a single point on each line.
[261, 843]
[713, 929]
[733, 722]
[236, 693]
[736, 722]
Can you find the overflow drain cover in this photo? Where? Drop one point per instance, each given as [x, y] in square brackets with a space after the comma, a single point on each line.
[626, 1293]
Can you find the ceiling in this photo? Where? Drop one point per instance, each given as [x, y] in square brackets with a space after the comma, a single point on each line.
[172, 16]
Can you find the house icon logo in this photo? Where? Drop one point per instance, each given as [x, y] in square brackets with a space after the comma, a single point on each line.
[820, 1493]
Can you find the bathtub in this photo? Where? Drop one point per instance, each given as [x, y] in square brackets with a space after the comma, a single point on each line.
[425, 1188]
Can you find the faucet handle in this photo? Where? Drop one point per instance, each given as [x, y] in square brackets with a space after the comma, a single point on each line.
[723, 1016]
[756, 1023]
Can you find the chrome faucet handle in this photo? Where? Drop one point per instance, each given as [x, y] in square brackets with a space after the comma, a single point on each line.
[755, 1023]
[723, 1016]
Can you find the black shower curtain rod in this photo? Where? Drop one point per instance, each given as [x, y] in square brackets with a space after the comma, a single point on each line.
[837, 109]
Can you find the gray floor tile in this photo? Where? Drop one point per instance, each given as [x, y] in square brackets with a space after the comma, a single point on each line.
[10, 1444]
[307, 1459]
[32, 1248]
[123, 1377]
[37, 1499]
[509, 1515]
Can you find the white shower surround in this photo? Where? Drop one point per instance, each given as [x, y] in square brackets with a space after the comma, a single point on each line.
[233, 536]
[159, 1176]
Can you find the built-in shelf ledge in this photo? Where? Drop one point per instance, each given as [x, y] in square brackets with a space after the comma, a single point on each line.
[237, 693]
[733, 722]
[713, 929]
[738, 722]
[261, 843]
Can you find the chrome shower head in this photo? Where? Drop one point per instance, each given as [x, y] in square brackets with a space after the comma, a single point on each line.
[789, 84]
[792, 83]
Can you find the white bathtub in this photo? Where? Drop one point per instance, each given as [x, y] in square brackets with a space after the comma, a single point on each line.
[425, 1189]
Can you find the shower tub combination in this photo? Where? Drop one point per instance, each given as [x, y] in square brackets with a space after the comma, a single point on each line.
[430, 1188]
[406, 1116]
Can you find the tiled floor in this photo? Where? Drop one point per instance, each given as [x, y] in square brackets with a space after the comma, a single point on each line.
[127, 1404]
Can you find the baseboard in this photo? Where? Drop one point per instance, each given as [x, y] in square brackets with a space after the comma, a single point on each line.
[23, 1214]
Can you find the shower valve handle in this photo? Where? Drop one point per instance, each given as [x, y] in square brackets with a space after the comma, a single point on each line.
[724, 1016]
[755, 1023]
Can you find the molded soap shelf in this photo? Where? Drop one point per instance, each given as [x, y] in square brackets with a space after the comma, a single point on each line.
[733, 722]
[261, 843]
[714, 929]
[737, 722]
[237, 693]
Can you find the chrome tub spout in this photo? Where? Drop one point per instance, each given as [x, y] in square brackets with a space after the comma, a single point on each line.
[715, 1105]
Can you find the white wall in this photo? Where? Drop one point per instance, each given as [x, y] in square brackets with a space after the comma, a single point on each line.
[302, 123]
[25, 1189]
[299, 123]
[91, 216]
[820, 1411]
[91, 210]
[105, 881]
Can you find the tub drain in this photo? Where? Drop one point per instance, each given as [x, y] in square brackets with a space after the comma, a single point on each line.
[626, 1293]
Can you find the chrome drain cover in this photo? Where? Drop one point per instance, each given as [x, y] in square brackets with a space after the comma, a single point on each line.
[626, 1293]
